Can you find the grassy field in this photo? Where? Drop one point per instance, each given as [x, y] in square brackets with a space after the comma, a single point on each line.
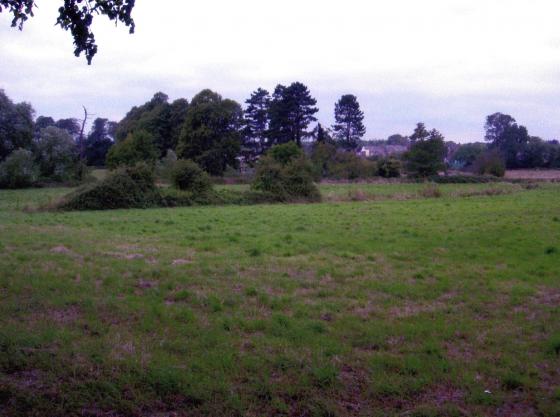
[402, 304]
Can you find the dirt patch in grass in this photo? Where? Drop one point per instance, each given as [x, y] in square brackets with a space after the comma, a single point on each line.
[127, 256]
[146, 284]
[179, 262]
[355, 382]
[23, 380]
[547, 296]
[517, 406]
[65, 316]
[411, 308]
[63, 250]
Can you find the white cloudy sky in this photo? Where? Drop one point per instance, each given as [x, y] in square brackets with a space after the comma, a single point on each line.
[445, 62]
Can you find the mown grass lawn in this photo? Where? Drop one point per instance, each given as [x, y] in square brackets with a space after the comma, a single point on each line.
[404, 306]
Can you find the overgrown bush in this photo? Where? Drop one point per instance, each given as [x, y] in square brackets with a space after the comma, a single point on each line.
[490, 163]
[425, 157]
[18, 170]
[328, 162]
[430, 191]
[285, 153]
[164, 166]
[137, 147]
[131, 187]
[186, 175]
[389, 168]
[349, 166]
[285, 174]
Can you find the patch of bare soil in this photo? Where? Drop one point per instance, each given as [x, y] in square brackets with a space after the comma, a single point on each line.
[516, 407]
[547, 296]
[65, 315]
[352, 398]
[146, 284]
[26, 379]
[413, 308]
[63, 250]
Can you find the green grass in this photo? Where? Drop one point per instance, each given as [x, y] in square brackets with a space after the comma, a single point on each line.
[404, 305]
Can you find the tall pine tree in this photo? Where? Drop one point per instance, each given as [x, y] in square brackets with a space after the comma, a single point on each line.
[291, 110]
[256, 125]
[348, 126]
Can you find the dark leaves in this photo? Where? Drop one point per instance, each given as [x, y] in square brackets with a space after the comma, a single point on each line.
[76, 16]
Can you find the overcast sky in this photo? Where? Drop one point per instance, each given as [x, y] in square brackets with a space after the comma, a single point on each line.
[448, 63]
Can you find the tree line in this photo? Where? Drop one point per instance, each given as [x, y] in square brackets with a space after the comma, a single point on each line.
[218, 133]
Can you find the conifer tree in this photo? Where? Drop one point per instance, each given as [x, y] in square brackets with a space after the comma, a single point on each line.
[348, 128]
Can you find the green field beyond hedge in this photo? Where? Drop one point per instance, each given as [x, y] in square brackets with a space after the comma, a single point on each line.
[398, 300]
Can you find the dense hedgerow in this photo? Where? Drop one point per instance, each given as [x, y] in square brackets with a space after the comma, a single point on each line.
[463, 179]
[131, 187]
[186, 175]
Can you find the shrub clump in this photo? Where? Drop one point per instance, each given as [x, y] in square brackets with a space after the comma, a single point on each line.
[186, 175]
[389, 168]
[490, 163]
[18, 170]
[329, 162]
[131, 187]
[285, 174]
[431, 191]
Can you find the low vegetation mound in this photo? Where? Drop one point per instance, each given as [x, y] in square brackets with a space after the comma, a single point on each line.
[285, 174]
[131, 187]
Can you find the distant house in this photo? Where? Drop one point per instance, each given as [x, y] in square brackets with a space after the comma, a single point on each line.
[381, 150]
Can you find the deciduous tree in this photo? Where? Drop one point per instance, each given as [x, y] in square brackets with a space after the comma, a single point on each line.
[508, 137]
[211, 134]
[98, 142]
[159, 118]
[16, 125]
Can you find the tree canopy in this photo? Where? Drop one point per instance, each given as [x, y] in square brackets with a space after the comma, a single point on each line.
[211, 134]
[508, 137]
[16, 125]
[158, 117]
[77, 17]
[256, 124]
[291, 110]
[426, 155]
[99, 141]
